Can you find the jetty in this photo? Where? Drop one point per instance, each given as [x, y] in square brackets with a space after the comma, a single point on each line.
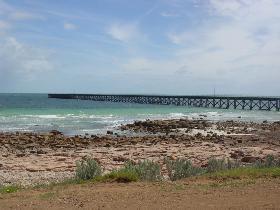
[221, 102]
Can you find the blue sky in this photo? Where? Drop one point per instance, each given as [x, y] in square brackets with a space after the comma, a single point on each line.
[145, 46]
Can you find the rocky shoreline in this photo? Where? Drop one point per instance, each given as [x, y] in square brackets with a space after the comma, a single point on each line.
[33, 158]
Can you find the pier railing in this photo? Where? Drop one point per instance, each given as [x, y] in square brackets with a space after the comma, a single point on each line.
[222, 102]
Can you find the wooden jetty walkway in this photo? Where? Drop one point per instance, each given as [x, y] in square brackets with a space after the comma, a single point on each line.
[222, 102]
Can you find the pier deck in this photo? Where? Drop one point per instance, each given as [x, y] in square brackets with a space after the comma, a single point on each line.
[222, 102]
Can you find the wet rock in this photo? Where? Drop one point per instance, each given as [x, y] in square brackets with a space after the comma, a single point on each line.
[55, 132]
[110, 132]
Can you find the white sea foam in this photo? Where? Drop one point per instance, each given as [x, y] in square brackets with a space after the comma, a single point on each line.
[176, 115]
[212, 113]
[47, 116]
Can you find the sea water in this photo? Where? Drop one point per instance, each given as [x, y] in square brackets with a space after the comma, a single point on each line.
[38, 113]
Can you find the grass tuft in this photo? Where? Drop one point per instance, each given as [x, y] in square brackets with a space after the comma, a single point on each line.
[121, 175]
[144, 171]
[9, 189]
[246, 172]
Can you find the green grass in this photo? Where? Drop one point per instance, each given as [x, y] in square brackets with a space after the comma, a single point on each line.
[144, 171]
[9, 189]
[246, 172]
[224, 171]
[121, 175]
[66, 182]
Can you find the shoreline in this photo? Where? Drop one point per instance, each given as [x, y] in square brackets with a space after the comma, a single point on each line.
[33, 158]
[49, 122]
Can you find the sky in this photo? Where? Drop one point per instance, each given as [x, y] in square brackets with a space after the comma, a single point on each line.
[184, 47]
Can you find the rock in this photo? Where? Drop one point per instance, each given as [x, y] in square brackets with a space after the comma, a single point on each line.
[40, 152]
[203, 115]
[110, 132]
[255, 139]
[172, 157]
[240, 153]
[34, 169]
[20, 154]
[107, 145]
[55, 132]
[249, 159]
[234, 155]
[120, 159]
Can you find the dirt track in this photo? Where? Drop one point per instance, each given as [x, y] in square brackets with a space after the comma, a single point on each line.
[264, 194]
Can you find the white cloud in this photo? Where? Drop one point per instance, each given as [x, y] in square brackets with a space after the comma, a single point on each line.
[169, 15]
[69, 26]
[187, 37]
[226, 7]
[21, 61]
[21, 15]
[123, 32]
[239, 9]
[15, 14]
[243, 46]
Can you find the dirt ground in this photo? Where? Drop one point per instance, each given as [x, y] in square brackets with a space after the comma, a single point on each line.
[260, 194]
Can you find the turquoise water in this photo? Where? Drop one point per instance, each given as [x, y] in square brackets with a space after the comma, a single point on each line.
[38, 113]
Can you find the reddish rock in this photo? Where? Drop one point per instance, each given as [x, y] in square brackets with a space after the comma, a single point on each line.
[249, 159]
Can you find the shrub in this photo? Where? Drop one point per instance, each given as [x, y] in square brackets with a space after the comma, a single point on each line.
[87, 169]
[145, 170]
[181, 168]
[269, 162]
[215, 165]
[233, 164]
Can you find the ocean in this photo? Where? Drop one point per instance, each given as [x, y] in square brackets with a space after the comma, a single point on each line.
[38, 113]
